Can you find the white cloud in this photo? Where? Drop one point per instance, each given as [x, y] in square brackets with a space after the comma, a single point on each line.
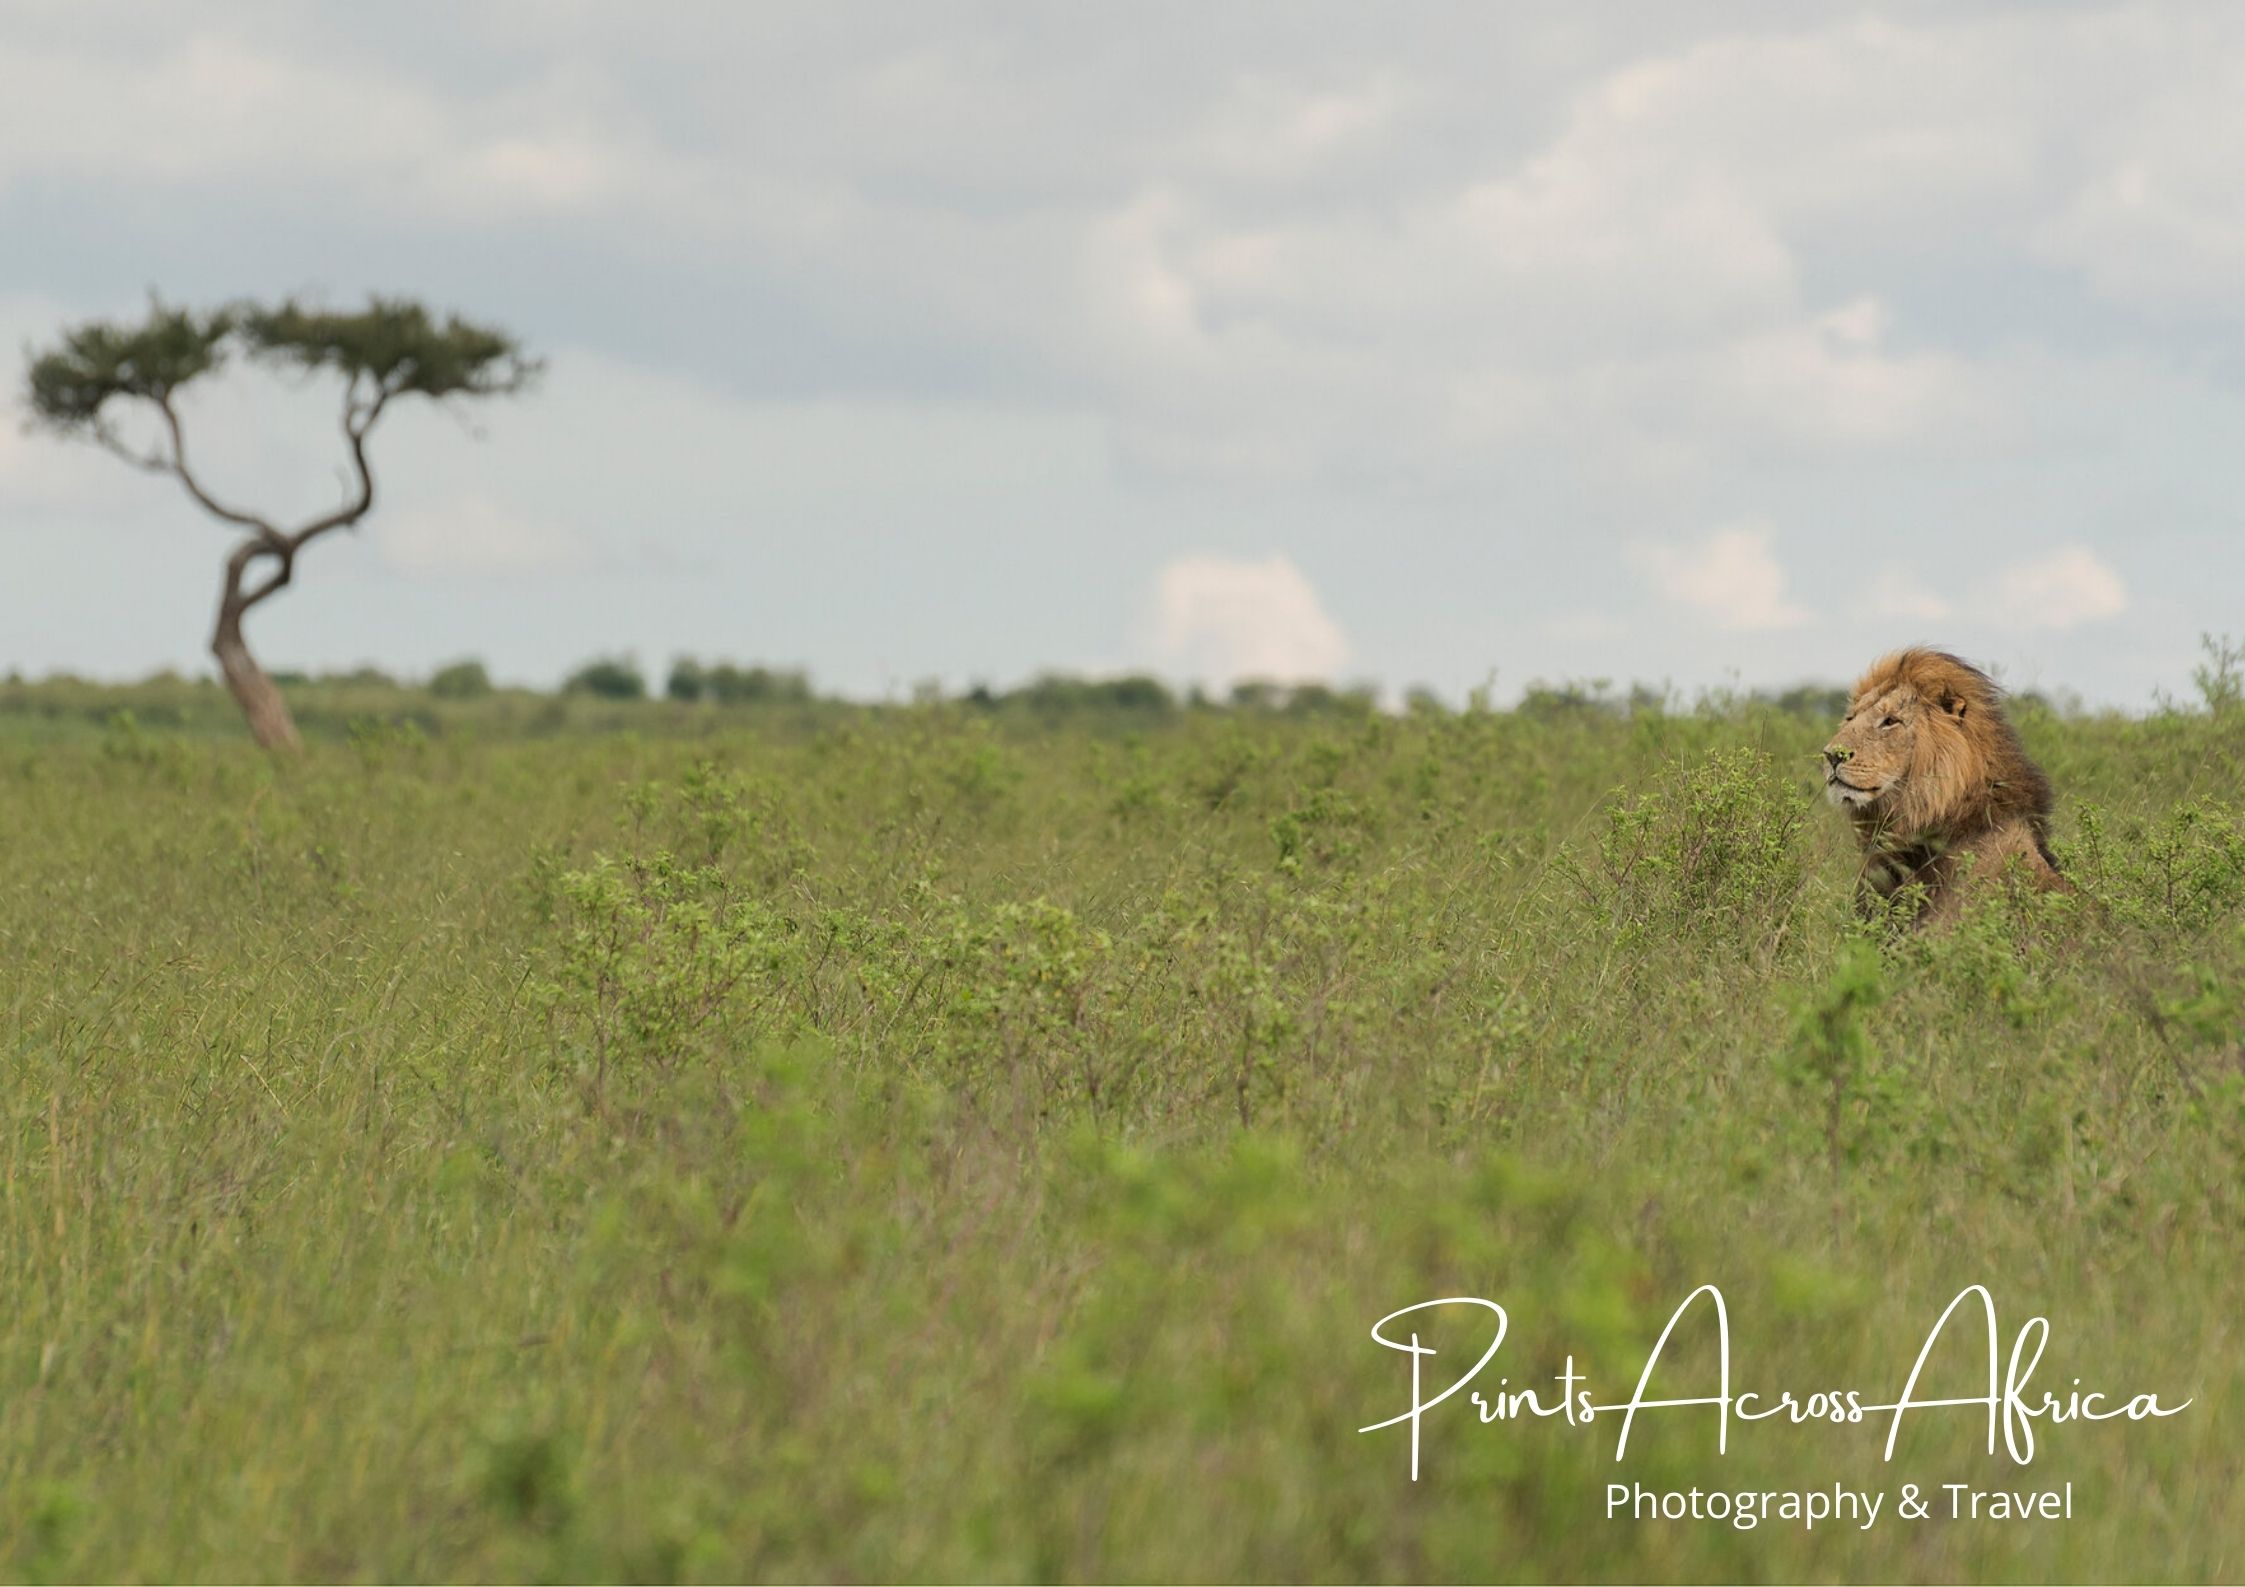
[1831, 379]
[1299, 271]
[1220, 619]
[1898, 593]
[1639, 277]
[476, 537]
[556, 172]
[2155, 212]
[1731, 577]
[2064, 589]
[215, 109]
[1271, 129]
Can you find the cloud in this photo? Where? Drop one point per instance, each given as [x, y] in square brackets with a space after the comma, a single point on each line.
[2062, 590]
[477, 537]
[1334, 256]
[1731, 577]
[1667, 271]
[1898, 593]
[2155, 215]
[1831, 380]
[1269, 129]
[212, 109]
[1220, 619]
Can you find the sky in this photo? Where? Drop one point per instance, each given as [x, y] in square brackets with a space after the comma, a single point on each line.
[1455, 346]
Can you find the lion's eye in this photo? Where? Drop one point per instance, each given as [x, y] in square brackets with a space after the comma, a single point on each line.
[1892, 721]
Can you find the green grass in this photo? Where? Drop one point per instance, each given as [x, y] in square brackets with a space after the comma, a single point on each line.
[845, 1144]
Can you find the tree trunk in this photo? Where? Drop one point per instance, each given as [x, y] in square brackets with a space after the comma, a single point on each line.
[258, 695]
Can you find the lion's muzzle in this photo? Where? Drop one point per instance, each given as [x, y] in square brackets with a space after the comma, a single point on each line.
[1842, 792]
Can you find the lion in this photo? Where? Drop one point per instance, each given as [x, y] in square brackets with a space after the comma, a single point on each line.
[1939, 788]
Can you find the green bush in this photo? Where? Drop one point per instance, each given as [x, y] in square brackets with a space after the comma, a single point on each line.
[653, 946]
[611, 678]
[731, 685]
[2180, 870]
[687, 681]
[1709, 852]
[460, 680]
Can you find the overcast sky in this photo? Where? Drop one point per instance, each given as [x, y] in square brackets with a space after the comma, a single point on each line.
[1693, 343]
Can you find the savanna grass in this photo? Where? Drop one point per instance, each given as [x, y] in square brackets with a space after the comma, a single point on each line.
[905, 1143]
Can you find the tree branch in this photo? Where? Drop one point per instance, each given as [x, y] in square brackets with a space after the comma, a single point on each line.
[278, 579]
[235, 600]
[152, 461]
[357, 421]
[178, 465]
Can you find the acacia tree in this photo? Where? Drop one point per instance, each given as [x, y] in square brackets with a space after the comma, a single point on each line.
[391, 349]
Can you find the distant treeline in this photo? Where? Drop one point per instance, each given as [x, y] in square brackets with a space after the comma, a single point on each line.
[613, 693]
[691, 681]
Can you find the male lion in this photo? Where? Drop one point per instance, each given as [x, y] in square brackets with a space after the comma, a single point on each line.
[1936, 783]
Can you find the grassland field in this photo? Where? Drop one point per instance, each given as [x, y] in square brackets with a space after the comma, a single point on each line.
[553, 1139]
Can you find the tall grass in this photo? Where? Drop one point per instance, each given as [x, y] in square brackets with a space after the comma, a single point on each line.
[906, 1144]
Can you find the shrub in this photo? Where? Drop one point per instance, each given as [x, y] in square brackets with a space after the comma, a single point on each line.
[731, 685]
[1029, 1008]
[610, 678]
[1548, 702]
[1829, 1054]
[361, 678]
[2220, 679]
[1708, 853]
[687, 681]
[1055, 694]
[2180, 871]
[652, 946]
[1315, 699]
[461, 680]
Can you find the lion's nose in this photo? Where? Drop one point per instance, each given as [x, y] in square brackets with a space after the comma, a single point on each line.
[1835, 756]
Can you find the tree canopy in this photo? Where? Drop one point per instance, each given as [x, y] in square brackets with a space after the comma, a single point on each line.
[98, 362]
[391, 347]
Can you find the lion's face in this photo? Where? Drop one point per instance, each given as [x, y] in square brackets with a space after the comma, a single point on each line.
[1880, 744]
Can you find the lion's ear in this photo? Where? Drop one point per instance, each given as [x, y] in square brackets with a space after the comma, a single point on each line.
[1953, 703]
